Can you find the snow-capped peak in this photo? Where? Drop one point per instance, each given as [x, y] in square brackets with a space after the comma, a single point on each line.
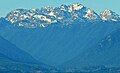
[109, 15]
[75, 6]
[65, 14]
[90, 14]
[49, 8]
[64, 7]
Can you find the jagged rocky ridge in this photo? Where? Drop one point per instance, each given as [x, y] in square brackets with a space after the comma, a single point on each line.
[65, 15]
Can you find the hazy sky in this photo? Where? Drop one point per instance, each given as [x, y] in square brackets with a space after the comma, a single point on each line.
[97, 5]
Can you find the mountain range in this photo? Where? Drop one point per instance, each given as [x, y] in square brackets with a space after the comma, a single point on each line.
[66, 37]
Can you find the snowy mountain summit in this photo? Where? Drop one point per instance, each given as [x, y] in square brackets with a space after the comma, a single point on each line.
[109, 15]
[65, 14]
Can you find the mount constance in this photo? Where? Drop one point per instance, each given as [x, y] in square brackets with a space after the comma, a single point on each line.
[68, 38]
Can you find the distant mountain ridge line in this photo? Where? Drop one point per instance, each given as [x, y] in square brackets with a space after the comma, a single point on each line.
[64, 14]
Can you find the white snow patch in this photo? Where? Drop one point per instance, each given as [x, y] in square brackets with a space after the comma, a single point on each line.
[90, 14]
[75, 7]
[44, 18]
[52, 14]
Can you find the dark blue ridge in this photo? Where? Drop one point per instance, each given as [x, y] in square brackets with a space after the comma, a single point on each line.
[11, 56]
[3, 22]
[105, 52]
[3, 56]
[14, 53]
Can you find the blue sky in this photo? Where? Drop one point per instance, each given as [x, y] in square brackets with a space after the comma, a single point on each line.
[97, 5]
